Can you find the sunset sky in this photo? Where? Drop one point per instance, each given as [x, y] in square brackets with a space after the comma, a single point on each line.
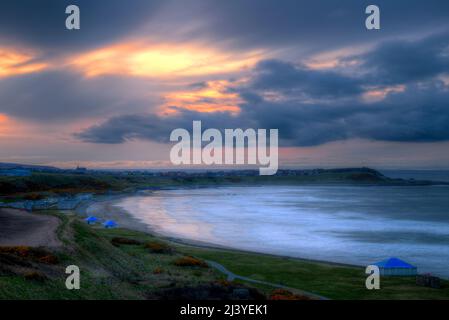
[108, 95]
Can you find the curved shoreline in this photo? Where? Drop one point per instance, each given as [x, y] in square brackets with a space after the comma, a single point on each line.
[106, 208]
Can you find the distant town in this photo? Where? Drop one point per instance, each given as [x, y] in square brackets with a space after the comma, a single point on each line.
[22, 170]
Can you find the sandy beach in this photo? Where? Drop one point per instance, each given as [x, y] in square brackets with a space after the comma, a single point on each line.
[107, 209]
[21, 228]
[336, 223]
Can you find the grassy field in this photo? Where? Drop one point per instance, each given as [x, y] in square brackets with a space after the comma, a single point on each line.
[133, 271]
[330, 280]
[107, 271]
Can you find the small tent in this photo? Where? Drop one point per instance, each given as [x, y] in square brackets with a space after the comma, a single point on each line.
[396, 267]
[110, 224]
[91, 220]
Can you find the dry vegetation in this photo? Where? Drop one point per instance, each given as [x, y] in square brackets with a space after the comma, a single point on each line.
[159, 247]
[29, 253]
[117, 241]
[190, 262]
[282, 294]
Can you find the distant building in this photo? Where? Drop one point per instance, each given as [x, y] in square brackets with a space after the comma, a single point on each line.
[80, 170]
[110, 224]
[396, 267]
[15, 172]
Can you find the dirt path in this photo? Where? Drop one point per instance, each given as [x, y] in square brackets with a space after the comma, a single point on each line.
[232, 276]
[21, 228]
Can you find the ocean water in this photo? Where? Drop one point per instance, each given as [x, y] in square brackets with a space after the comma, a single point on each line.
[346, 224]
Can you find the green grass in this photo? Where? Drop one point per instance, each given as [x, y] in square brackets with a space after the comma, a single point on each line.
[107, 272]
[329, 280]
[127, 271]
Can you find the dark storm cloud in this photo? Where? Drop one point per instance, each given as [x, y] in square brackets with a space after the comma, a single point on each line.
[288, 78]
[312, 25]
[419, 114]
[315, 106]
[41, 24]
[416, 115]
[406, 61]
[152, 127]
[312, 107]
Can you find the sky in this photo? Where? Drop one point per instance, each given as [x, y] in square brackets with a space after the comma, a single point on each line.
[108, 95]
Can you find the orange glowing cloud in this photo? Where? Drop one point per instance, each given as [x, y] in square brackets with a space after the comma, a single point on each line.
[323, 64]
[161, 60]
[3, 118]
[11, 128]
[13, 62]
[380, 94]
[340, 58]
[213, 97]
[7, 126]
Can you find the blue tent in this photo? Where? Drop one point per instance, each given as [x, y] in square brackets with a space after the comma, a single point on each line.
[396, 267]
[91, 219]
[110, 224]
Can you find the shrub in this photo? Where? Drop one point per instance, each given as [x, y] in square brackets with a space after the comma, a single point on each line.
[118, 241]
[224, 283]
[21, 251]
[282, 294]
[35, 254]
[35, 276]
[49, 259]
[190, 262]
[159, 247]
[158, 271]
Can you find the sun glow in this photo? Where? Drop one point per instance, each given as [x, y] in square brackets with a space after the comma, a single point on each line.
[13, 62]
[213, 97]
[161, 60]
[7, 126]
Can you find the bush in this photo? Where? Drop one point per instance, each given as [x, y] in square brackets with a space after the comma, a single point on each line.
[190, 262]
[49, 259]
[159, 247]
[282, 294]
[224, 283]
[36, 254]
[158, 271]
[35, 276]
[118, 241]
[21, 251]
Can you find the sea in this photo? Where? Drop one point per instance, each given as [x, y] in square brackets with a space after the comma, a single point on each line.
[357, 225]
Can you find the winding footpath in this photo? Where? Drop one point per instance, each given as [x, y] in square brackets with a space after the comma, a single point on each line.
[232, 276]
